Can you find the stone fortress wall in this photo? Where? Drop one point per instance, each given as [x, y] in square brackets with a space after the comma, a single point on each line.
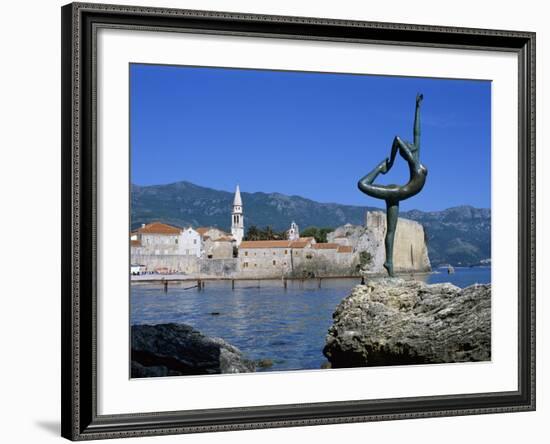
[191, 266]
[296, 262]
[410, 251]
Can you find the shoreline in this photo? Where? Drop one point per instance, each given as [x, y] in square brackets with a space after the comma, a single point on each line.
[149, 279]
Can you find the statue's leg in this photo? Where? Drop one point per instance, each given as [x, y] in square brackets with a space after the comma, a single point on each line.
[394, 148]
[365, 183]
[392, 213]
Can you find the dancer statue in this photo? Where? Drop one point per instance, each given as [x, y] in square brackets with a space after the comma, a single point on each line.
[393, 194]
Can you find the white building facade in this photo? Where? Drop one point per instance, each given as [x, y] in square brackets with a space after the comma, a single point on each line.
[190, 243]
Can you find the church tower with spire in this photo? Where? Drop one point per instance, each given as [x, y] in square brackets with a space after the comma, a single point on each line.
[237, 221]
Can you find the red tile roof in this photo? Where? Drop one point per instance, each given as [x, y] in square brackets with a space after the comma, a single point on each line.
[299, 244]
[266, 244]
[274, 244]
[345, 249]
[158, 228]
[325, 246]
[135, 243]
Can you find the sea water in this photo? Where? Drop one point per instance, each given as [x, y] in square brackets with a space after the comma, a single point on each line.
[262, 318]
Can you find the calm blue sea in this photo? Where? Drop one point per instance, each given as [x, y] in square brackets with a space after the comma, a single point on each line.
[265, 322]
[462, 277]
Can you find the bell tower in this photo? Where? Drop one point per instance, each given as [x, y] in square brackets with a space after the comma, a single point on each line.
[293, 233]
[237, 219]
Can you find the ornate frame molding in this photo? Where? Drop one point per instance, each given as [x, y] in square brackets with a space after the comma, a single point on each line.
[80, 420]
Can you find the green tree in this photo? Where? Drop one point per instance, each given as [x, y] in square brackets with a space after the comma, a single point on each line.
[268, 233]
[320, 234]
[252, 233]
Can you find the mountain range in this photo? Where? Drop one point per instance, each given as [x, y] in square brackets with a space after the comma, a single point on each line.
[457, 236]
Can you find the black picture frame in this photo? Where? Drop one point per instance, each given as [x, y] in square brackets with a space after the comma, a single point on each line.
[80, 420]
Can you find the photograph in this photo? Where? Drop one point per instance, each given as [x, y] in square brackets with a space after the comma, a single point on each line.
[306, 221]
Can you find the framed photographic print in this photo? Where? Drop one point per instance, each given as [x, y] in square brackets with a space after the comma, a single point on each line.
[279, 221]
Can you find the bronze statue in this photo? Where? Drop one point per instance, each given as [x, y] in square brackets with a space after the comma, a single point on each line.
[393, 194]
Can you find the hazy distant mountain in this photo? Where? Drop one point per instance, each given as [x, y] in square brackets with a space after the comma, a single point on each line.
[184, 203]
[459, 235]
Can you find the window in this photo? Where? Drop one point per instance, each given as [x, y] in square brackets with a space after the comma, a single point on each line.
[195, 241]
[286, 251]
[245, 265]
[176, 241]
[273, 253]
[274, 262]
[246, 253]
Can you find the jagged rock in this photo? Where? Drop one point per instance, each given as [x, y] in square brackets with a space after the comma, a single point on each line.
[178, 349]
[264, 363]
[394, 322]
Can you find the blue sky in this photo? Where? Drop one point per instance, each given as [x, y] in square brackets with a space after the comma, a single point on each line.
[307, 134]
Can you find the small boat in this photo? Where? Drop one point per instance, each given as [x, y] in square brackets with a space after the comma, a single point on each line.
[450, 269]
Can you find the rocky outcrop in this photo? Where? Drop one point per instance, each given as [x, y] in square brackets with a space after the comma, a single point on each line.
[395, 322]
[410, 251]
[178, 349]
